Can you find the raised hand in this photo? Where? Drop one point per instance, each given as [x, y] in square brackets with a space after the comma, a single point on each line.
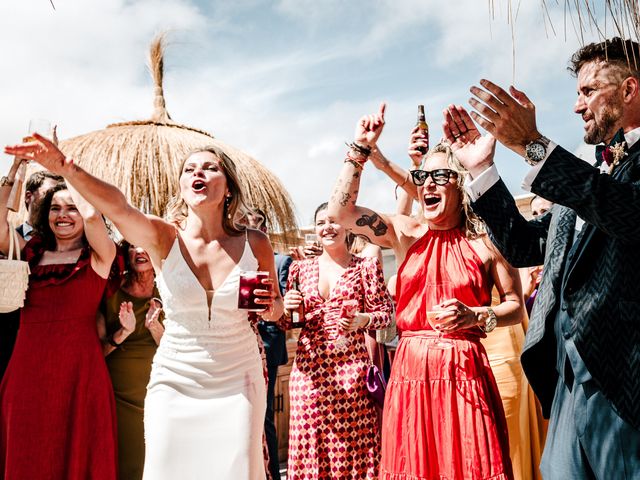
[43, 151]
[369, 127]
[511, 119]
[418, 139]
[474, 151]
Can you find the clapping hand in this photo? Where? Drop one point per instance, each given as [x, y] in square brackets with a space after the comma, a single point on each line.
[152, 319]
[474, 151]
[127, 318]
[510, 118]
[369, 128]
[43, 151]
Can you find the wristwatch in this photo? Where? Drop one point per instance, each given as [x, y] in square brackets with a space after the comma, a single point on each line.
[536, 151]
[4, 181]
[490, 322]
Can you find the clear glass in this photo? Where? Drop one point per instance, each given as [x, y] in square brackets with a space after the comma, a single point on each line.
[439, 343]
[310, 238]
[40, 126]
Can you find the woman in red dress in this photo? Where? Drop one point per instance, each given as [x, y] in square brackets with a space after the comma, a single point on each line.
[443, 417]
[57, 410]
[333, 426]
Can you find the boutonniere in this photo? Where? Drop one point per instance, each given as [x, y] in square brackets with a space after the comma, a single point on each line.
[617, 151]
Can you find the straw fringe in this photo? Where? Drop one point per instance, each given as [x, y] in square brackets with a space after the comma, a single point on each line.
[142, 158]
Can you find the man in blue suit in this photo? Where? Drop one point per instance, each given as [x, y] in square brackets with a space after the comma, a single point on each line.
[582, 350]
[275, 347]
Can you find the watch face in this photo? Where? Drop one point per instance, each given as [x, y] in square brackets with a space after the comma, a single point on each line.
[536, 151]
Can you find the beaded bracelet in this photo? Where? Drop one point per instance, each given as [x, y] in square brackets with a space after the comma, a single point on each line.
[363, 150]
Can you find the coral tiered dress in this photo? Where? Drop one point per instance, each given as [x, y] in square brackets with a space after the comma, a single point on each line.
[443, 417]
[57, 410]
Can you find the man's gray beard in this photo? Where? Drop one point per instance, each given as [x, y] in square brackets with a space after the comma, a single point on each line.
[604, 129]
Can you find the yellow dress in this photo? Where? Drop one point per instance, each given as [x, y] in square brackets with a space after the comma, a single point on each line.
[524, 418]
[130, 367]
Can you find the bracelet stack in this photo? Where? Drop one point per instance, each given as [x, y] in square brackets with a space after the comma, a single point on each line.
[357, 155]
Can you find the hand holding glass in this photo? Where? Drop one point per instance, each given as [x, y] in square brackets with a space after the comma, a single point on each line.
[250, 281]
[436, 318]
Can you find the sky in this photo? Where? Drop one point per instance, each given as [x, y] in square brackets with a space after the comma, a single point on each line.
[286, 80]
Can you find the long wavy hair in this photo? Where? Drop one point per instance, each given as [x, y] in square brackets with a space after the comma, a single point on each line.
[41, 223]
[473, 226]
[177, 210]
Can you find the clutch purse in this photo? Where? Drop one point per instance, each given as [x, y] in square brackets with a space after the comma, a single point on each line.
[376, 385]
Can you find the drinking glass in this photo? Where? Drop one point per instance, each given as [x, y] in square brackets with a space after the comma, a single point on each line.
[40, 126]
[310, 239]
[440, 343]
[347, 310]
[249, 282]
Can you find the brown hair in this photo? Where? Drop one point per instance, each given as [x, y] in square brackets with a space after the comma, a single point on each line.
[41, 223]
[473, 225]
[624, 55]
[177, 209]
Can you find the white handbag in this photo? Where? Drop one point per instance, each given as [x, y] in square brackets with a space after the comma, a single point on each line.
[14, 276]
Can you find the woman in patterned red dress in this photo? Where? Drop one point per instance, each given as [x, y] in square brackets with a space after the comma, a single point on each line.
[443, 417]
[57, 409]
[333, 427]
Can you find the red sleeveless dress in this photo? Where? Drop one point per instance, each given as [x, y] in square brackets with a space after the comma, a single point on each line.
[57, 409]
[443, 417]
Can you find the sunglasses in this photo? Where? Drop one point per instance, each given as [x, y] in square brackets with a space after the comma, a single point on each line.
[440, 176]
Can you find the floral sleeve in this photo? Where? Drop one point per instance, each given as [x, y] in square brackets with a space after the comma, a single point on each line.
[377, 301]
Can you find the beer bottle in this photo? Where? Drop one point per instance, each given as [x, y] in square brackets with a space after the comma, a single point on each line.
[297, 315]
[422, 125]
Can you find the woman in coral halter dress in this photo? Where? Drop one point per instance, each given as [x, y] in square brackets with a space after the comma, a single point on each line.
[443, 417]
[206, 399]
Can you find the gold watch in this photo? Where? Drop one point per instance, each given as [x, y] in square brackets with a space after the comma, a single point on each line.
[4, 181]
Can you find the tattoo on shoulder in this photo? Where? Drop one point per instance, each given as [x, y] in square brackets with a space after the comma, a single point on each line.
[370, 221]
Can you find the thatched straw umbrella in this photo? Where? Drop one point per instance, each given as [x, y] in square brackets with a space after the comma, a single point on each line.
[142, 158]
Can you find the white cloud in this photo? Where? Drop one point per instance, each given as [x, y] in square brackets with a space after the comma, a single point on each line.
[284, 82]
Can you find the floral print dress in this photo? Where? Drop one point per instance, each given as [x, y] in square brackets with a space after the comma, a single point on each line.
[334, 429]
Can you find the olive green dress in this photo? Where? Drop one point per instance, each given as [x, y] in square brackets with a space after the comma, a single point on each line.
[130, 367]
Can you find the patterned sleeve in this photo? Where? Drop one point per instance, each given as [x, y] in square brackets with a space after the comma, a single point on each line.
[377, 301]
[284, 323]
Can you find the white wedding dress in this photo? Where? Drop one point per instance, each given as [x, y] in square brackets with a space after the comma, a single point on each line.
[206, 399]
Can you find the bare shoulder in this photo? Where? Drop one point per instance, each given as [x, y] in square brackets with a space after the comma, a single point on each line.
[485, 249]
[408, 230]
[259, 241]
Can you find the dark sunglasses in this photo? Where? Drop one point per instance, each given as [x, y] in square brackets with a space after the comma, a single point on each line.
[440, 176]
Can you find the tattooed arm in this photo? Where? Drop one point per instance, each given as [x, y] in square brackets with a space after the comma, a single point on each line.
[342, 204]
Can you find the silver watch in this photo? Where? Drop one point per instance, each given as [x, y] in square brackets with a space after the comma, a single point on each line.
[490, 322]
[536, 151]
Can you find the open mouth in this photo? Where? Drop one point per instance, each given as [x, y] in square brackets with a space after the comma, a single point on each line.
[198, 186]
[141, 260]
[431, 200]
[64, 224]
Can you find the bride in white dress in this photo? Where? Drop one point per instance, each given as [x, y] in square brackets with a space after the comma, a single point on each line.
[206, 399]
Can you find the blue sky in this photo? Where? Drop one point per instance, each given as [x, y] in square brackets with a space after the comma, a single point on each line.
[284, 80]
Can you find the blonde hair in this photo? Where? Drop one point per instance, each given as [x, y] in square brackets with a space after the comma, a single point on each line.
[474, 227]
[177, 210]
